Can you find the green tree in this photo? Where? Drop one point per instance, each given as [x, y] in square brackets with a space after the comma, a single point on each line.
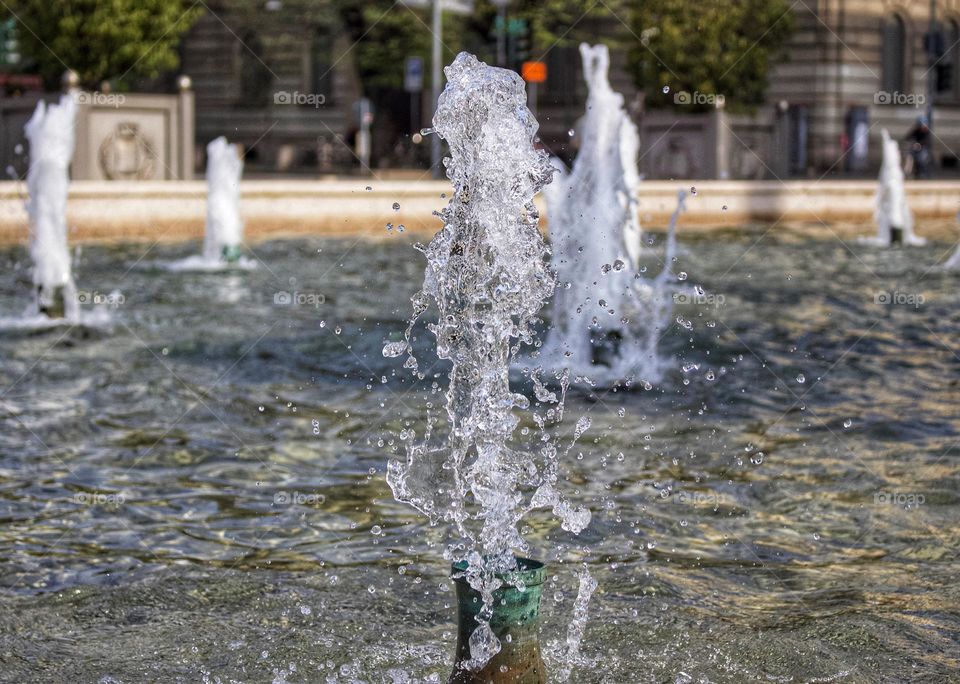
[569, 22]
[711, 47]
[115, 40]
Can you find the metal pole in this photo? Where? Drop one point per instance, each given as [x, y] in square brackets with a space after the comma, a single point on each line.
[931, 61]
[435, 95]
[502, 34]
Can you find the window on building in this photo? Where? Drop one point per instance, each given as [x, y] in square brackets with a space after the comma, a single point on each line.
[947, 66]
[563, 74]
[256, 79]
[321, 64]
[894, 54]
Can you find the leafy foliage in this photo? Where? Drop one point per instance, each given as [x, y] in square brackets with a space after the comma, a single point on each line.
[711, 47]
[117, 40]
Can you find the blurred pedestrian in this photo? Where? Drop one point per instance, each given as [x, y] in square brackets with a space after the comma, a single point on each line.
[919, 139]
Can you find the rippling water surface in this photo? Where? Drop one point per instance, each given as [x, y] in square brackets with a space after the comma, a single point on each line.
[197, 491]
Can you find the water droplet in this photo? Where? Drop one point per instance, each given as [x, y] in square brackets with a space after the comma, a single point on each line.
[801, 378]
[396, 206]
[682, 275]
[693, 190]
[394, 349]
[847, 423]
[666, 89]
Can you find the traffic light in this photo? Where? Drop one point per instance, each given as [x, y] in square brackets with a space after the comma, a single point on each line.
[9, 45]
[518, 43]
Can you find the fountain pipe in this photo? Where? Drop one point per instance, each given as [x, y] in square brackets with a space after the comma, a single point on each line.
[515, 622]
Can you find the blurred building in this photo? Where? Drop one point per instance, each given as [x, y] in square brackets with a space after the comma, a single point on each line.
[852, 68]
[858, 66]
[279, 81]
[279, 78]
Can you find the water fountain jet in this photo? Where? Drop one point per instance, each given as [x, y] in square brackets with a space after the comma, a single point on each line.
[224, 231]
[50, 132]
[893, 215]
[607, 320]
[487, 274]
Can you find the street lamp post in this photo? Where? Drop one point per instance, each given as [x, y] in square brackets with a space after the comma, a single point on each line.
[933, 39]
[501, 32]
[436, 84]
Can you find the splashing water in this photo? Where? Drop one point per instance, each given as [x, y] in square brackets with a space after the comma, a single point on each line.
[607, 319]
[488, 275]
[953, 263]
[578, 624]
[51, 134]
[893, 216]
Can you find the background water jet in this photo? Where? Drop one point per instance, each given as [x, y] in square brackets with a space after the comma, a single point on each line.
[50, 132]
[893, 215]
[606, 318]
[224, 230]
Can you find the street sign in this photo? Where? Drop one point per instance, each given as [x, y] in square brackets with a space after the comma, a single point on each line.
[534, 72]
[455, 6]
[413, 74]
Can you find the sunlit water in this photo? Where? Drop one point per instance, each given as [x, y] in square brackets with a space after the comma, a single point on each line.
[201, 492]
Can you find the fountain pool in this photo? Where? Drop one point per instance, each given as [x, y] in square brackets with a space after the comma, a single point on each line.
[200, 494]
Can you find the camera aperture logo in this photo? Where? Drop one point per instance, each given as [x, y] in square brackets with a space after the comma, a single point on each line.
[284, 298]
[285, 97]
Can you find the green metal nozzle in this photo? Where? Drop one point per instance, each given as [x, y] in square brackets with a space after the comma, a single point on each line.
[52, 304]
[232, 253]
[515, 622]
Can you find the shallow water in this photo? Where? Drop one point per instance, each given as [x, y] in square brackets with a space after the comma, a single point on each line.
[198, 491]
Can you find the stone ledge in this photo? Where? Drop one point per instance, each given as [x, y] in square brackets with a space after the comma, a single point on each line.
[101, 211]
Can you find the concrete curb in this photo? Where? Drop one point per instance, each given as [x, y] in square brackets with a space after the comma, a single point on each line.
[101, 211]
